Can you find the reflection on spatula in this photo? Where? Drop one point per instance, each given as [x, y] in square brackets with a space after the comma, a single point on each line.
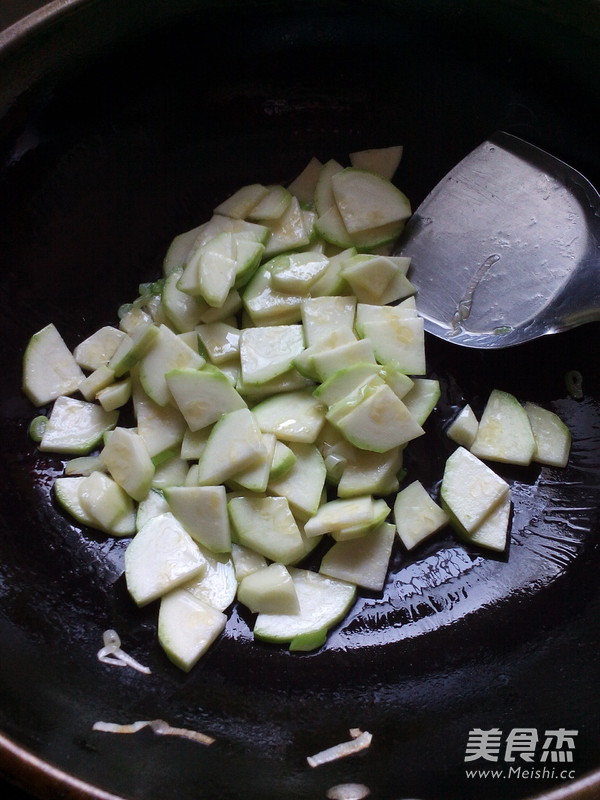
[506, 248]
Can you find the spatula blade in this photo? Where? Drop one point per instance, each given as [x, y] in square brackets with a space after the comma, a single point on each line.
[495, 244]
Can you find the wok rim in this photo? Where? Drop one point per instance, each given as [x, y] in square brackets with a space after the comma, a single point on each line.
[27, 771]
[27, 24]
[22, 766]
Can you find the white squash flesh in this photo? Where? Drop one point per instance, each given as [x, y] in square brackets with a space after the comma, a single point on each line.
[323, 602]
[49, 368]
[160, 557]
[274, 391]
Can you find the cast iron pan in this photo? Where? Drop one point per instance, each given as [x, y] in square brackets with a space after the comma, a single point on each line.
[122, 125]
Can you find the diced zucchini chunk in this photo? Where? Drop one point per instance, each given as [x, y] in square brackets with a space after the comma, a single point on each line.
[367, 201]
[346, 380]
[183, 310]
[266, 525]
[267, 306]
[417, 515]
[217, 269]
[248, 255]
[66, 491]
[269, 590]
[202, 395]
[193, 443]
[463, 428]
[400, 342]
[288, 231]
[159, 558]
[290, 381]
[324, 316]
[97, 380]
[470, 490]
[492, 532]
[161, 427]
[303, 186]
[293, 417]
[210, 270]
[306, 365]
[382, 161]
[49, 368]
[297, 272]
[324, 197]
[357, 530]
[551, 435]
[363, 561]
[504, 432]
[323, 603]
[234, 444]
[245, 561]
[126, 457]
[422, 398]
[151, 506]
[302, 484]
[132, 348]
[76, 426]
[133, 319]
[377, 280]
[364, 472]
[401, 385]
[84, 465]
[97, 350]
[116, 395]
[168, 353]
[332, 281]
[219, 223]
[202, 510]
[179, 249]
[353, 399]
[369, 312]
[267, 352]
[327, 361]
[330, 226]
[220, 340]
[283, 460]
[337, 514]
[169, 472]
[216, 584]
[272, 205]
[240, 203]
[106, 502]
[256, 478]
[231, 306]
[379, 422]
[187, 627]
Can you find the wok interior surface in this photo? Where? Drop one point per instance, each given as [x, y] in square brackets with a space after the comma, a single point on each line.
[125, 127]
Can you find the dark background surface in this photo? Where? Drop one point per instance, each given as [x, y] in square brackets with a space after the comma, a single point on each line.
[12, 11]
[10, 792]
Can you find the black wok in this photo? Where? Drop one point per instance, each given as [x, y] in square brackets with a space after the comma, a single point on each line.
[123, 124]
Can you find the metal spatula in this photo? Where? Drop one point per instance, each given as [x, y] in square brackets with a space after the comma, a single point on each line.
[506, 248]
